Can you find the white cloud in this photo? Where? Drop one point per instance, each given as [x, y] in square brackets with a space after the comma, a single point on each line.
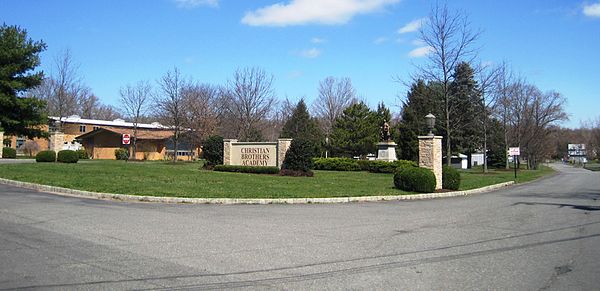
[412, 26]
[380, 40]
[420, 52]
[592, 10]
[310, 53]
[317, 40]
[196, 3]
[300, 12]
[418, 42]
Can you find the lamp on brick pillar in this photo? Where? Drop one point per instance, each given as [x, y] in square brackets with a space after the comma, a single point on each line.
[430, 119]
[430, 151]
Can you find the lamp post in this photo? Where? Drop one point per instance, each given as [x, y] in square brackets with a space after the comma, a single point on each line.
[430, 119]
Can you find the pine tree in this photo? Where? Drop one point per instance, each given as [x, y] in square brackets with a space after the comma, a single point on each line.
[298, 159]
[467, 111]
[356, 132]
[421, 100]
[18, 58]
[301, 126]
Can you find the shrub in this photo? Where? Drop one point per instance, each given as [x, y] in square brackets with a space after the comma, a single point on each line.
[415, 179]
[336, 164]
[122, 154]
[247, 169]
[9, 153]
[82, 154]
[285, 172]
[213, 150]
[450, 178]
[383, 166]
[30, 147]
[46, 157]
[298, 157]
[67, 156]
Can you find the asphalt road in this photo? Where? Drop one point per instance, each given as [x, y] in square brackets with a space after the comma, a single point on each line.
[539, 236]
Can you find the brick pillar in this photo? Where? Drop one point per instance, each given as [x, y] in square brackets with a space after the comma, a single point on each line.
[430, 156]
[57, 141]
[227, 150]
[283, 144]
[2, 141]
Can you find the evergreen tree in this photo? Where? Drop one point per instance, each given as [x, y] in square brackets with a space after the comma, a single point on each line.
[467, 111]
[298, 159]
[301, 126]
[356, 132]
[421, 100]
[19, 56]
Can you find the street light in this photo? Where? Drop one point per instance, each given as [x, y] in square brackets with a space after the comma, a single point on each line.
[430, 119]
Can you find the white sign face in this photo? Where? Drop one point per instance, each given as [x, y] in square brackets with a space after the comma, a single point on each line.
[576, 150]
[126, 138]
[514, 151]
[254, 155]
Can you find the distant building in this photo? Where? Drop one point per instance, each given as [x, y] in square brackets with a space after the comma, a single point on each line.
[100, 138]
[577, 153]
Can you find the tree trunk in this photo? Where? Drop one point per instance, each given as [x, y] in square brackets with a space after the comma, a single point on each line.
[175, 144]
[134, 142]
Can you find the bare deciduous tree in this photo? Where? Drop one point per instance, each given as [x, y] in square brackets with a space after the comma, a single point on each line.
[88, 103]
[249, 100]
[66, 86]
[335, 95]
[106, 112]
[450, 41]
[532, 116]
[200, 111]
[487, 76]
[135, 101]
[505, 88]
[170, 104]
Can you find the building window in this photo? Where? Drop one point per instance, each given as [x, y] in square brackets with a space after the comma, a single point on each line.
[20, 141]
[82, 128]
[96, 127]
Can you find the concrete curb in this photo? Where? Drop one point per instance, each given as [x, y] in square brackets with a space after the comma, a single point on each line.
[231, 201]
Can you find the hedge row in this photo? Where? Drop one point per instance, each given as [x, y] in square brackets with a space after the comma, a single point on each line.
[336, 164]
[9, 153]
[246, 169]
[385, 167]
[64, 156]
[347, 164]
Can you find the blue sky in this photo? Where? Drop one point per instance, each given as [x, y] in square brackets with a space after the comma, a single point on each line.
[554, 44]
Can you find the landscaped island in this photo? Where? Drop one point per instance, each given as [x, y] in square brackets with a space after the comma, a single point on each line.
[188, 180]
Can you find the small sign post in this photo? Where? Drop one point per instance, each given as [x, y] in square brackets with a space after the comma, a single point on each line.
[515, 152]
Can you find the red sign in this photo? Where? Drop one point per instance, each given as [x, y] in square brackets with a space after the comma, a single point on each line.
[126, 138]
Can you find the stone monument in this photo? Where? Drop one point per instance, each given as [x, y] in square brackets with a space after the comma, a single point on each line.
[258, 154]
[386, 147]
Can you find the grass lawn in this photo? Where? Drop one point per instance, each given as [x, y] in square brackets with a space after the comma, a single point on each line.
[188, 180]
[592, 166]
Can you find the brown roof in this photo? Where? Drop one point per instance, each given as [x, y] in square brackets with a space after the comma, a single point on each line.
[141, 133]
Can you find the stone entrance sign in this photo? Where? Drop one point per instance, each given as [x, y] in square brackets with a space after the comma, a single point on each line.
[257, 154]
